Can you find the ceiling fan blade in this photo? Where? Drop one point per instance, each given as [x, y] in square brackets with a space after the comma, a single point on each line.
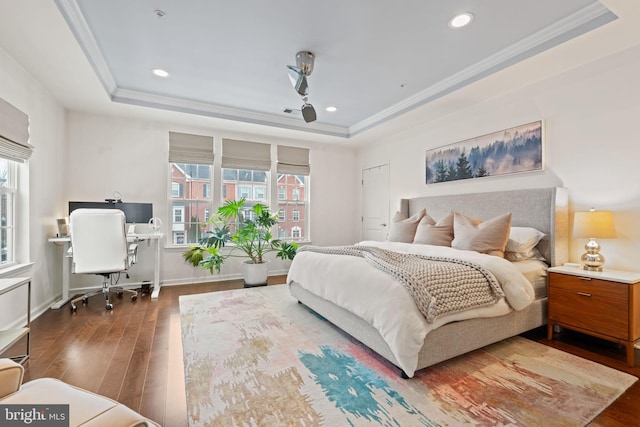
[298, 80]
[308, 113]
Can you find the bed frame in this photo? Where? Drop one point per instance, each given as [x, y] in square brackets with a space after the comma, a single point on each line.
[543, 208]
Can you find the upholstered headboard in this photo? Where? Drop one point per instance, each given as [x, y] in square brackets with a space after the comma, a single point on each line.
[545, 209]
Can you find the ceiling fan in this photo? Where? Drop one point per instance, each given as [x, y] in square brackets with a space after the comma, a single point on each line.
[298, 77]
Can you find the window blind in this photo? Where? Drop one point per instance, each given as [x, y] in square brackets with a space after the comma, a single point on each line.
[14, 133]
[293, 160]
[246, 155]
[187, 148]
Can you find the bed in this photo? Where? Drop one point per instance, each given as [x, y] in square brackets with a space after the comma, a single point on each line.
[544, 209]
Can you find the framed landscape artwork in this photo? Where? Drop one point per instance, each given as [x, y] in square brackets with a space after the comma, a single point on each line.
[514, 150]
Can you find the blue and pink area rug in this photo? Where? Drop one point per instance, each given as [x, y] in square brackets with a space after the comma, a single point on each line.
[255, 357]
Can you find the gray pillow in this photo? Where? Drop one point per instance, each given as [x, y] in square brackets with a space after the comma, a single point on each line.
[488, 237]
[403, 229]
[430, 232]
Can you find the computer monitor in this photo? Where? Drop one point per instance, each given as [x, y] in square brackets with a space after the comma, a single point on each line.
[134, 213]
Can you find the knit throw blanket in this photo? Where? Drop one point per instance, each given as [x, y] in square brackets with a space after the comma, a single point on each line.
[438, 285]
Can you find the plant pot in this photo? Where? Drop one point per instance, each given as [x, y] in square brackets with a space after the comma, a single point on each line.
[255, 274]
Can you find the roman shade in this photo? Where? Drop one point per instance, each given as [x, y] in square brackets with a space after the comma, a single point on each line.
[293, 160]
[14, 133]
[246, 155]
[187, 148]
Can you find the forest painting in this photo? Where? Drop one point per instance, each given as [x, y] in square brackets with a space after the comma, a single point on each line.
[518, 149]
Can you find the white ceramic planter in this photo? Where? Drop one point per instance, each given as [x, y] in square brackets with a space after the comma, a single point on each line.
[255, 274]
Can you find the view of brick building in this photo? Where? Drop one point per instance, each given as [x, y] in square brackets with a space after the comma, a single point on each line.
[192, 199]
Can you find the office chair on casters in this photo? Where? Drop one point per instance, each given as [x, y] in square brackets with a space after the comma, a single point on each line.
[99, 246]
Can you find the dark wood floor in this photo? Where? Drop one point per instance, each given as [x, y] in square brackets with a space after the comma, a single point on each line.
[133, 354]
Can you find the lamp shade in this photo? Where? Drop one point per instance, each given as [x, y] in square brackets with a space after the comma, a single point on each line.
[593, 225]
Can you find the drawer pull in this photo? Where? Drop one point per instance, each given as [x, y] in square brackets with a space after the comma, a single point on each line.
[585, 278]
[584, 294]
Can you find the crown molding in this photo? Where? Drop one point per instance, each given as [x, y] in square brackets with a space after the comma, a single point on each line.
[145, 99]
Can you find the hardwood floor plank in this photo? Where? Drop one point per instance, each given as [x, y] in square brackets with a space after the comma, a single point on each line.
[176, 413]
[135, 378]
[153, 399]
[134, 354]
[113, 381]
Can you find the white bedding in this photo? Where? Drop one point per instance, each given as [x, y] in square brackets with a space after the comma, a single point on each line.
[353, 284]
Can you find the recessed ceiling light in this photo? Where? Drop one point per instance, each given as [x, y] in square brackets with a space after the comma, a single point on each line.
[160, 72]
[331, 109]
[461, 20]
[160, 13]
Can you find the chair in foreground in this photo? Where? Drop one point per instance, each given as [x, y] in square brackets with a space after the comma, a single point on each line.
[85, 408]
[99, 245]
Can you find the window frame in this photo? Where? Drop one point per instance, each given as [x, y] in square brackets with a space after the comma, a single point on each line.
[11, 190]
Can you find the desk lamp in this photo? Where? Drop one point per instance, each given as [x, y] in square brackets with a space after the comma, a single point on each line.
[593, 225]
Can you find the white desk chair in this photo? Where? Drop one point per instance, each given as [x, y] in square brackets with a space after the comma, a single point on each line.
[99, 245]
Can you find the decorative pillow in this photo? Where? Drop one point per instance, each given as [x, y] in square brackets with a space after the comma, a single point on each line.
[523, 239]
[403, 229]
[430, 232]
[489, 237]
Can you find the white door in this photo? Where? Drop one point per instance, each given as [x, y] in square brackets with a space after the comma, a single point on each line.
[375, 202]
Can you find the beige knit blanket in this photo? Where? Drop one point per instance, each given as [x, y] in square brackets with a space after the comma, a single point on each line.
[438, 285]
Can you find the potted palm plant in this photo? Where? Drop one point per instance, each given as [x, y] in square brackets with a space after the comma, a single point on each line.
[248, 229]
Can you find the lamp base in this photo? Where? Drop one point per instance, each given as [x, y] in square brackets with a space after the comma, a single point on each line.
[592, 260]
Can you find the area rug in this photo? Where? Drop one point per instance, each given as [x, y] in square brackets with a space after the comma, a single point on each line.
[255, 357]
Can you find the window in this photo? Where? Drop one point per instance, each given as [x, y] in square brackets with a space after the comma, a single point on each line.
[260, 193]
[244, 192]
[176, 189]
[178, 213]
[249, 184]
[8, 190]
[190, 209]
[178, 238]
[191, 163]
[294, 208]
[14, 149]
[293, 191]
[246, 172]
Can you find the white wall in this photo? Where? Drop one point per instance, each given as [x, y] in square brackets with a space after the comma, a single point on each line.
[130, 156]
[592, 144]
[44, 177]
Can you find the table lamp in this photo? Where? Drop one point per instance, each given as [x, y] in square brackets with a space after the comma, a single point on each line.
[593, 225]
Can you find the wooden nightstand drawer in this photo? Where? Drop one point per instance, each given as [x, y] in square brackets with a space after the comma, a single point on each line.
[590, 311]
[603, 288]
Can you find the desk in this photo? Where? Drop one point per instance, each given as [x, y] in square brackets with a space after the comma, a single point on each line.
[153, 238]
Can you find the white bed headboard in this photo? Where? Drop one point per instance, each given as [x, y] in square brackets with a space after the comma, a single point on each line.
[546, 209]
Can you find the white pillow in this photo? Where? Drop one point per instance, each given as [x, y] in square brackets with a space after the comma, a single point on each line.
[522, 244]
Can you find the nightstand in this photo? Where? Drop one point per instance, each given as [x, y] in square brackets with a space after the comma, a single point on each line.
[604, 304]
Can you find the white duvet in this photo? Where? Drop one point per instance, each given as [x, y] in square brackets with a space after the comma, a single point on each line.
[355, 285]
